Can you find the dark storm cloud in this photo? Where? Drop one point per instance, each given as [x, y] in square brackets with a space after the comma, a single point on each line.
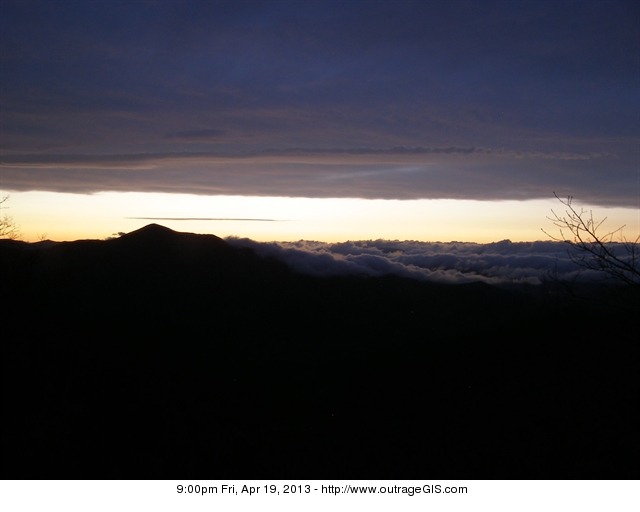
[498, 99]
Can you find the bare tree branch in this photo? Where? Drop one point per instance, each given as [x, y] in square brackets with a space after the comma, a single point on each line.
[8, 228]
[591, 250]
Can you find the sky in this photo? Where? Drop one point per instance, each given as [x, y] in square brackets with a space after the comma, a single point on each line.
[318, 120]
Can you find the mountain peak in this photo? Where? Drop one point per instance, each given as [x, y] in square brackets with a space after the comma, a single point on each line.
[151, 230]
[155, 233]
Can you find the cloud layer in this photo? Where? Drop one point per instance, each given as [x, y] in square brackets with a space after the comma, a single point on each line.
[500, 263]
[398, 99]
[373, 173]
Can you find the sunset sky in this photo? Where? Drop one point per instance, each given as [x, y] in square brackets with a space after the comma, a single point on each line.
[318, 120]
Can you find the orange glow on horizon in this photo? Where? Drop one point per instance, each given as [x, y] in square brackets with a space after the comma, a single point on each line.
[61, 217]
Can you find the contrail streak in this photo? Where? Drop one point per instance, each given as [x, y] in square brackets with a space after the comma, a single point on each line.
[203, 218]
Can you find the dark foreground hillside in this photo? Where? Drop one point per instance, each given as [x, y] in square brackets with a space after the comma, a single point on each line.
[171, 355]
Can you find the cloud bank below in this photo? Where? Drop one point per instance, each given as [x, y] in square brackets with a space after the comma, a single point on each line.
[502, 263]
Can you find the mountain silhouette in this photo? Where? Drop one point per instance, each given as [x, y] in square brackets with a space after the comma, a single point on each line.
[154, 231]
[162, 354]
